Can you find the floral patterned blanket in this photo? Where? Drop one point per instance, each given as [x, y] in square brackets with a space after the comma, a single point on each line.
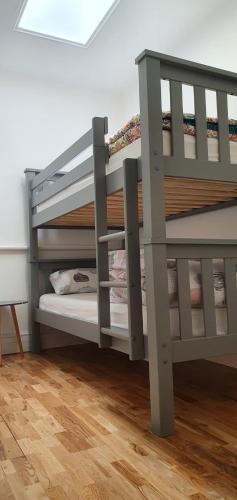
[132, 130]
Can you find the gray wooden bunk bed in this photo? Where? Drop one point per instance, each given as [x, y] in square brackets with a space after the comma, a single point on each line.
[121, 200]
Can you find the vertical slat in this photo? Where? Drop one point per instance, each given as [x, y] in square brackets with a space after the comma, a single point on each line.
[209, 311]
[176, 101]
[201, 123]
[159, 340]
[231, 295]
[223, 127]
[34, 285]
[135, 322]
[185, 311]
[103, 298]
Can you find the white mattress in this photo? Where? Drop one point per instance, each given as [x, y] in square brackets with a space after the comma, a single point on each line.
[133, 150]
[83, 306]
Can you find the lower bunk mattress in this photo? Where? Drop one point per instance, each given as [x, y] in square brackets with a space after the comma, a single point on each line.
[83, 306]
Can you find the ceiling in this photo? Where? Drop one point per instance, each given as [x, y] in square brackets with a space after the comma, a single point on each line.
[108, 63]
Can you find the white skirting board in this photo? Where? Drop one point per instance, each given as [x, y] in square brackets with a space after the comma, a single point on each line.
[50, 339]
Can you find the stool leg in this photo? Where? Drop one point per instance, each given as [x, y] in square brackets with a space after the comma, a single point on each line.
[0, 337]
[18, 335]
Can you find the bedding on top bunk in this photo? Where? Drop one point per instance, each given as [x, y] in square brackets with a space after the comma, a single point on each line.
[131, 131]
[83, 306]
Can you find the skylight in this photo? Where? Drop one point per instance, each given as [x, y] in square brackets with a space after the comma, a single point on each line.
[74, 21]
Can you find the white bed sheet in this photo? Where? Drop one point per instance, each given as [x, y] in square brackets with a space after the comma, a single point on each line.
[83, 306]
[133, 150]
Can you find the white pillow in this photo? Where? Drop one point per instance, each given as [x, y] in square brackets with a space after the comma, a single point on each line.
[74, 281]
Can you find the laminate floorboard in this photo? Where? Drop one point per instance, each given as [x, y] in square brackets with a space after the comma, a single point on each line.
[74, 425]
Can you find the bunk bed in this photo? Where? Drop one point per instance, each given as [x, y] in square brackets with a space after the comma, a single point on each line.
[123, 193]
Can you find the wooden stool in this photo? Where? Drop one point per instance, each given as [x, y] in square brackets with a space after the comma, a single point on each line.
[12, 304]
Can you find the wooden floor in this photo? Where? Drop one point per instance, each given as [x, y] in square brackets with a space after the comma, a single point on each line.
[74, 425]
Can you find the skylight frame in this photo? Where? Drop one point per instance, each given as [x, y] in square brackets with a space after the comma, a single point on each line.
[60, 39]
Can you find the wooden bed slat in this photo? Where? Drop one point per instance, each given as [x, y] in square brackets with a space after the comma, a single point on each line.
[181, 195]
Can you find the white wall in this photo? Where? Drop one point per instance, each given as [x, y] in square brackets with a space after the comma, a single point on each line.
[38, 120]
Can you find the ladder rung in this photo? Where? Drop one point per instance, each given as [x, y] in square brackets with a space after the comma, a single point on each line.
[119, 235]
[113, 284]
[118, 333]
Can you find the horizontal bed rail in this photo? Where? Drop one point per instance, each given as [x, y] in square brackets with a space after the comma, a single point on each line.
[203, 249]
[187, 70]
[78, 147]
[82, 170]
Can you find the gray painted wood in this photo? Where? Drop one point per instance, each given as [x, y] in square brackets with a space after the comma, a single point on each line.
[84, 142]
[82, 329]
[204, 347]
[188, 250]
[223, 128]
[201, 123]
[63, 182]
[119, 235]
[231, 294]
[198, 169]
[33, 272]
[212, 242]
[177, 133]
[159, 343]
[115, 332]
[177, 62]
[132, 243]
[113, 284]
[185, 312]
[99, 127]
[64, 206]
[173, 68]
[209, 310]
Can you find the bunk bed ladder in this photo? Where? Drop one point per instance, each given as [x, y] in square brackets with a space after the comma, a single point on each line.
[130, 235]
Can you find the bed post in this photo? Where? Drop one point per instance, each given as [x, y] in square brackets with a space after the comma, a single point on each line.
[155, 251]
[33, 271]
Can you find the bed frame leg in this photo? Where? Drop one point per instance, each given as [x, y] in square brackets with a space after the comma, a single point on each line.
[159, 344]
[158, 321]
[34, 289]
[35, 339]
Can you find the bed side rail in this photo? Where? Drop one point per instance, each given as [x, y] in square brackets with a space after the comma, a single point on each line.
[153, 67]
[84, 142]
[213, 342]
[47, 183]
